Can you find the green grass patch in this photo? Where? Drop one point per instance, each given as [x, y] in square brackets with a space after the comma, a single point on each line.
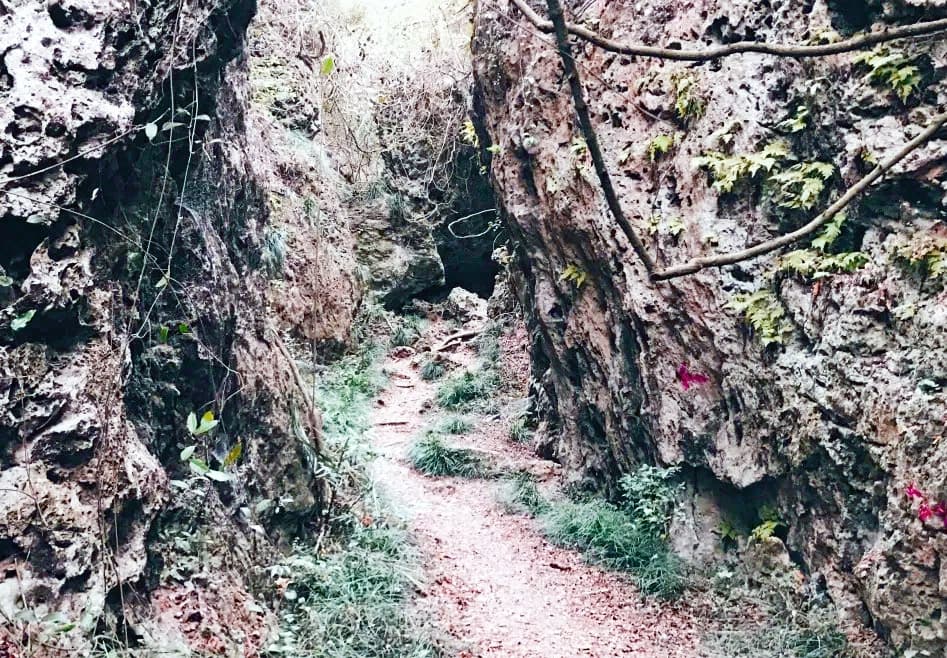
[609, 536]
[785, 622]
[461, 391]
[520, 431]
[431, 456]
[488, 345]
[352, 602]
[523, 495]
[432, 370]
[454, 425]
[406, 332]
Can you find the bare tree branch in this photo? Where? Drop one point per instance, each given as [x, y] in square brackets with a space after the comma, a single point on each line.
[585, 123]
[780, 50]
[588, 132]
[771, 245]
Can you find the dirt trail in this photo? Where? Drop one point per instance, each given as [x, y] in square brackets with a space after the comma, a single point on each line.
[492, 581]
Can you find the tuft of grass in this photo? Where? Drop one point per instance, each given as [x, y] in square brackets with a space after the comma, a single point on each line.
[352, 602]
[460, 391]
[488, 345]
[455, 425]
[432, 370]
[407, 332]
[523, 495]
[609, 536]
[431, 456]
[790, 623]
[520, 431]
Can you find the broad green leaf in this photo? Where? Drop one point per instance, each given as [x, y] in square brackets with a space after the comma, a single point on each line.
[151, 131]
[5, 281]
[187, 453]
[328, 65]
[183, 328]
[218, 476]
[19, 323]
[198, 466]
[233, 455]
[192, 423]
[163, 333]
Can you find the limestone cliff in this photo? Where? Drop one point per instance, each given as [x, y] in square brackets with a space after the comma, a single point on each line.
[822, 390]
[136, 249]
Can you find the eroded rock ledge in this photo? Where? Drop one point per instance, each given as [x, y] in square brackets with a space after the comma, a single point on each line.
[832, 422]
[133, 235]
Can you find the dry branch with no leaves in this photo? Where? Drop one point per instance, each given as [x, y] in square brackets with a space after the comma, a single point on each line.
[716, 52]
[562, 31]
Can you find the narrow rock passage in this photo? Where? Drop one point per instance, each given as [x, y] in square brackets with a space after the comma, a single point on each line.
[492, 581]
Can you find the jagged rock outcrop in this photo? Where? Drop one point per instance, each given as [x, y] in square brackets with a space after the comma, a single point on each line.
[135, 226]
[845, 407]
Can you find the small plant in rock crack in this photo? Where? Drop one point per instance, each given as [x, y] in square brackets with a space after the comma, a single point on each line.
[461, 391]
[574, 275]
[198, 466]
[892, 69]
[431, 456]
[274, 252]
[523, 495]
[432, 370]
[764, 312]
[455, 425]
[660, 145]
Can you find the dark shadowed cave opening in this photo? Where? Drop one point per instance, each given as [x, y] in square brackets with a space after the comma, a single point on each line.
[469, 231]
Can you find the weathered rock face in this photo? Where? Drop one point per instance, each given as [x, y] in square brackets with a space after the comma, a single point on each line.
[846, 408]
[428, 225]
[133, 225]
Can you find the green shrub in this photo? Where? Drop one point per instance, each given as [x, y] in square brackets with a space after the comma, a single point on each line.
[431, 456]
[352, 602]
[432, 370]
[460, 391]
[455, 425]
[650, 496]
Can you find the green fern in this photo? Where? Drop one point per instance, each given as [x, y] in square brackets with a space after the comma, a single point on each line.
[797, 122]
[660, 145]
[763, 311]
[688, 103]
[830, 232]
[728, 170]
[765, 530]
[810, 263]
[800, 187]
[892, 69]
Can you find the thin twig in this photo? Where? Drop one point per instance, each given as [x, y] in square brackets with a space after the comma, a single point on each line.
[854, 191]
[780, 50]
[588, 132]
